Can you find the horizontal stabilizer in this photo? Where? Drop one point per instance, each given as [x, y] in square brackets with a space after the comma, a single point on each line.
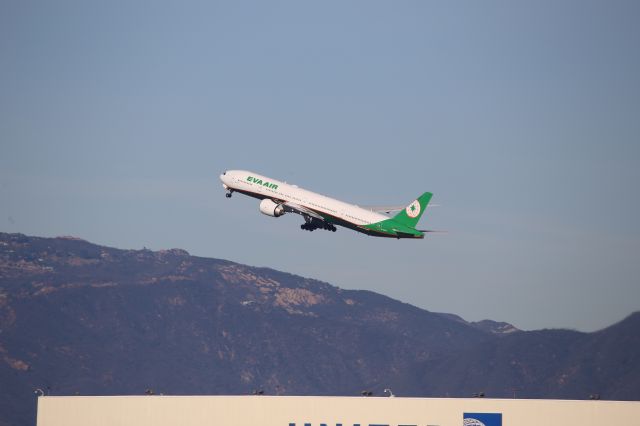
[390, 209]
[433, 231]
[407, 235]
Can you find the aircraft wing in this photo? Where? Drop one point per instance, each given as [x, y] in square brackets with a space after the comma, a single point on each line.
[389, 209]
[384, 209]
[297, 208]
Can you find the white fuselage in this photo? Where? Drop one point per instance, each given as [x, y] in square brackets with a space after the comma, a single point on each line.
[262, 187]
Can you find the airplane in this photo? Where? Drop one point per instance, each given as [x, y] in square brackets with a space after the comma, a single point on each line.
[321, 212]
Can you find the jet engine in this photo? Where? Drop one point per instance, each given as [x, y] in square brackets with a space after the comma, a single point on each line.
[270, 208]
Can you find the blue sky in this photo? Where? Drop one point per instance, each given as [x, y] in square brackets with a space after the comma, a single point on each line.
[523, 118]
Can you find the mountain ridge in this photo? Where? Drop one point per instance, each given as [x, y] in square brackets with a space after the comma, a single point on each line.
[76, 317]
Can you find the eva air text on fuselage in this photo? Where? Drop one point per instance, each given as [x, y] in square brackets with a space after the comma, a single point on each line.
[258, 181]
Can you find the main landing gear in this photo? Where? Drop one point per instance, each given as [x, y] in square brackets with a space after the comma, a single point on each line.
[310, 226]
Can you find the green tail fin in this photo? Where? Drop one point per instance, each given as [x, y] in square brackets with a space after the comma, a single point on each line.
[412, 213]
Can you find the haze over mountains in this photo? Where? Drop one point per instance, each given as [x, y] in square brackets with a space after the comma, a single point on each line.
[78, 318]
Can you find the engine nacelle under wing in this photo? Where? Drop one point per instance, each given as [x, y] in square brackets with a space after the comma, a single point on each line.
[270, 208]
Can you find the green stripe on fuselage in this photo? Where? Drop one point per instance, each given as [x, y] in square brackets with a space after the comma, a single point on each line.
[393, 228]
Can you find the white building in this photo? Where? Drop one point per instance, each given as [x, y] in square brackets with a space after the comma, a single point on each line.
[328, 411]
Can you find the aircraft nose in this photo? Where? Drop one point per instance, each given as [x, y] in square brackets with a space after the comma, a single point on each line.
[225, 177]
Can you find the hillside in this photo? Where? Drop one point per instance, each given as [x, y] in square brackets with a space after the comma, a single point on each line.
[78, 318]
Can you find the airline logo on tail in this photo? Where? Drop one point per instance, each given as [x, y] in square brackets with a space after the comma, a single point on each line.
[413, 209]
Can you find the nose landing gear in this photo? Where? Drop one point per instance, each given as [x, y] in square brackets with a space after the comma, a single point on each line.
[229, 193]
